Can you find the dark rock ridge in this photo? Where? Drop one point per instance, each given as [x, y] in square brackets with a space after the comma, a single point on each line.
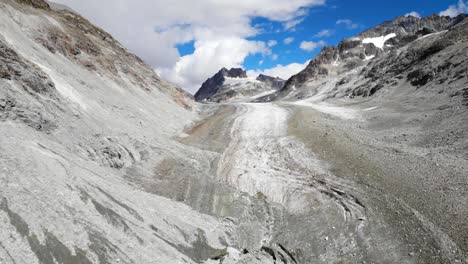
[352, 53]
[36, 3]
[210, 86]
[214, 89]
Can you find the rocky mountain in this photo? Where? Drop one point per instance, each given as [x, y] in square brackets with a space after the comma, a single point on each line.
[234, 84]
[211, 86]
[362, 158]
[404, 43]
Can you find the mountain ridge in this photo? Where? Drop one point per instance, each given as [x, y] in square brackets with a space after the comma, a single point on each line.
[224, 85]
[406, 28]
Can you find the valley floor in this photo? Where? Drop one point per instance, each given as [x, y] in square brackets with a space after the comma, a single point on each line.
[339, 188]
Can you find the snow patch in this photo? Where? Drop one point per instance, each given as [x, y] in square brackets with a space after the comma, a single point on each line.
[336, 63]
[63, 87]
[54, 22]
[230, 81]
[369, 57]
[340, 112]
[370, 108]
[379, 41]
[432, 34]
[263, 94]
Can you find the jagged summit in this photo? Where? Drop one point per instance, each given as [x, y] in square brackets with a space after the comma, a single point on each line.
[234, 73]
[209, 87]
[228, 84]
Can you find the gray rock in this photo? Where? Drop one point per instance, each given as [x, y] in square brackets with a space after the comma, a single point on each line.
[215, 89]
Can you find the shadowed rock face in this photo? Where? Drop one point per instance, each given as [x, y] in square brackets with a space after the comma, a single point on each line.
[211, 86]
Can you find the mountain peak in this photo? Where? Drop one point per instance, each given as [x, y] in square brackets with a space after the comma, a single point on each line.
[229, 83]
[233, 72]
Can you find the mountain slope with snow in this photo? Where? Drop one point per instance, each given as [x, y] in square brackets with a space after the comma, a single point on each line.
[380, 43]
[234, 84]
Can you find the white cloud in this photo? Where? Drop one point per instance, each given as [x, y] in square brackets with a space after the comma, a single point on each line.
[210, 56]
[274, 56]
[348, 23]
[285, 72]
[260, 62]
[311, 45]
[288, 41]
[324, 33]
[455, 10]
[272, 43]
[413, 14]
[152, 29]
[291, 25]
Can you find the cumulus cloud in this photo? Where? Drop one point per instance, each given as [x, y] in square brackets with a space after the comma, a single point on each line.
[455, 10]
[283, 71]
[413, 14]
[272, 43]
[288, 40]
[348, 23]
[152, 29]
[324, 33]
[210, 56]
[312, 45]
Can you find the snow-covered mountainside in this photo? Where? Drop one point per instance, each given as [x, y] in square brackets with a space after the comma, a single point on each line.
[234, 84]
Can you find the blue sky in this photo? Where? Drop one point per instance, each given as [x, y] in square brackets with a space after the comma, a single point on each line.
[187, 41]
[364, 14]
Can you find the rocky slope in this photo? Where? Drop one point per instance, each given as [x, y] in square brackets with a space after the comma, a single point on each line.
[101, 161]
[406, 44]
[233, 84]
[79, 118]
